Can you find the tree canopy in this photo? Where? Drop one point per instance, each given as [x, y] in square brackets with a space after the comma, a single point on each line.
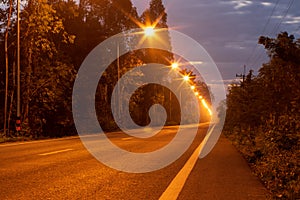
[263, 116]
[56, 36]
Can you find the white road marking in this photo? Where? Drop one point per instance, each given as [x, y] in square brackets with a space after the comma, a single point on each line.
[128, 138]
[37, 141]
[178, 182]
[175, 187]
[54, 152]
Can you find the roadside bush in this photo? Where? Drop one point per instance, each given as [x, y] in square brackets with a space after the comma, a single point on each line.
[273, 154]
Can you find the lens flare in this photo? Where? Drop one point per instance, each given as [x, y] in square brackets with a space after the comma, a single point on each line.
[174, 65]
[149, 31]
[186, 78]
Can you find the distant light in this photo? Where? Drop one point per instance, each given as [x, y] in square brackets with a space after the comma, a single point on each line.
[206, 106]
[196, 93]
[200, 97]
[174, 65]
[149, 31]
[193, 87]
[186, 78]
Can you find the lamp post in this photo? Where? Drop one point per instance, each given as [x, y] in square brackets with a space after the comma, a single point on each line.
[18, 121]
[148, 33]
[117, 101]
[174, 66]
[186, 78]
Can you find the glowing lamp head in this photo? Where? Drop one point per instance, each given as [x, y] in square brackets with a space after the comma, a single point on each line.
[186, 78]
[196, 93]
[149, 31]
[174, 65]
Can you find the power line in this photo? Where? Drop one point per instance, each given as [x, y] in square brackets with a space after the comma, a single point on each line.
[276, 28]
[270, 17]
[263, 31]
[258, 58]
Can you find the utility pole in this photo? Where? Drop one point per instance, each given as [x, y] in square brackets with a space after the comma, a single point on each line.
[18, 121]
[118, 96]
[243, 76]
[6, 120]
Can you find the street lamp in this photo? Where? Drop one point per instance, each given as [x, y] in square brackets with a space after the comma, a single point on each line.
[174, 65]
[186, 78]
[149, 31]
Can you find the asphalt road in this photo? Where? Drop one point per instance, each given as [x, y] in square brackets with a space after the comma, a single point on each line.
[64, 169]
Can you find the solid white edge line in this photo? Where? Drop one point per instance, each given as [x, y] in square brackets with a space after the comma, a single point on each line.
[173, 190]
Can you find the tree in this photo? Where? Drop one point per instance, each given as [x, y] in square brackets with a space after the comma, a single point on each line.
[281, 76]
[46, 76]
[155, 15]
[9, 14]
[94, 21]
[263, 115]
[245, 108]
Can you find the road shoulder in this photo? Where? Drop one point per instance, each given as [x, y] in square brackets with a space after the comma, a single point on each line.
[223, 174]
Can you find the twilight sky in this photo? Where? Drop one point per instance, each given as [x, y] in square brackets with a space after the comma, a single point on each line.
[229, 29]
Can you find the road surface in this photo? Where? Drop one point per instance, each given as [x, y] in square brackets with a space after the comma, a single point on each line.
[64, 169]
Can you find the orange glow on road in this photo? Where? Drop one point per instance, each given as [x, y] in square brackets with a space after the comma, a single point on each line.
[206, 106]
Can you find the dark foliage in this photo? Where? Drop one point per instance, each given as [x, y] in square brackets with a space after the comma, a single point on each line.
[263, 115]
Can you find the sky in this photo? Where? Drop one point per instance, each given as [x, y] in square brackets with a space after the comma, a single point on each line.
[229, 29]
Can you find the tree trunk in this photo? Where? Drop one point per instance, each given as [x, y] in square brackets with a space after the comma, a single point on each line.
[6, 67]
[12, 96]
[28, 72]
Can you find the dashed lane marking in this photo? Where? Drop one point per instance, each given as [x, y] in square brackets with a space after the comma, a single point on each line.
[55, 152]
